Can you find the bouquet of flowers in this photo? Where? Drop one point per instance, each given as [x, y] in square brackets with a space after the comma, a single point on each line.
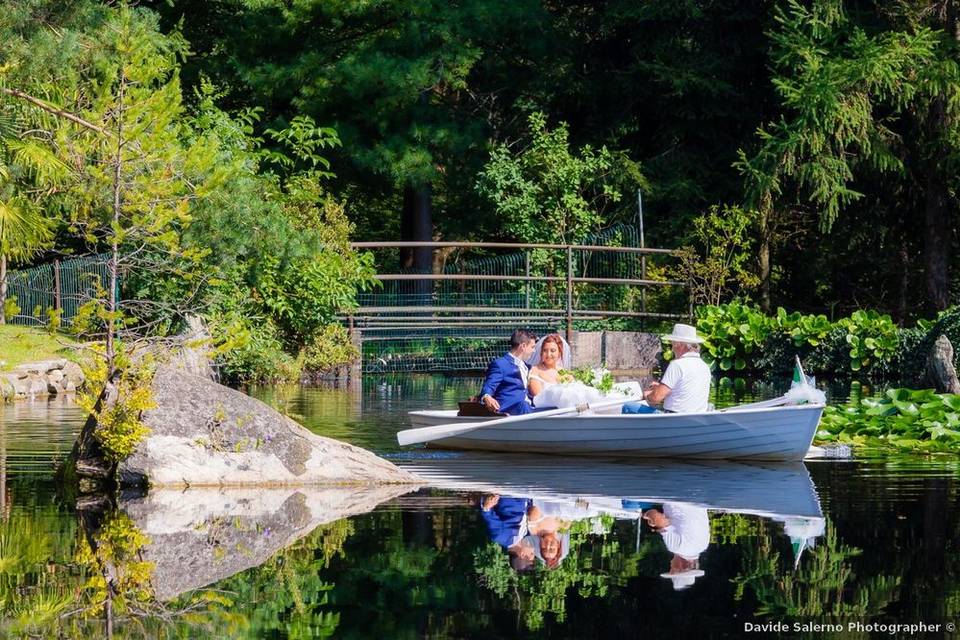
[599, 378]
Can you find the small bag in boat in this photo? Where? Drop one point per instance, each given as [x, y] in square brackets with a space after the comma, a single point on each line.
[473, 408]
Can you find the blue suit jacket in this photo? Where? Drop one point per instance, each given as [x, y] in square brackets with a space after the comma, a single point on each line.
[505, 384]
[503, 520]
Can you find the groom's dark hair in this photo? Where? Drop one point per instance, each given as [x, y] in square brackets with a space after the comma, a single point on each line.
[521, 336]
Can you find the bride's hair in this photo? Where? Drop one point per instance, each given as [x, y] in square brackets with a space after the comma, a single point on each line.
[555, 339]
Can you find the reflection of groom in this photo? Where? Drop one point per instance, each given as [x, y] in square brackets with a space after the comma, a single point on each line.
[505, 387]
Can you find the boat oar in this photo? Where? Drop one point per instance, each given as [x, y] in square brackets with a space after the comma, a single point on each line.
[425, 434]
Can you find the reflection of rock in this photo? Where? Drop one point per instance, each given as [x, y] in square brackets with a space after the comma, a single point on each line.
[201, 536]
[205, 434]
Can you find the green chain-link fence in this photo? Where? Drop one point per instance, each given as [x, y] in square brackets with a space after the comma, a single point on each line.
[62, 284]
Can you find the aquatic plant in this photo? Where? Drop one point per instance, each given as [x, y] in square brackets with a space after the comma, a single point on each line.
[871, 336]
[740, 336]
[903, 419]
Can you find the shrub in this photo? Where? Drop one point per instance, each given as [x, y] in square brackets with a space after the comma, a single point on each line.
[871, 336]
[739, 336]
[331, 348]
[732, 332]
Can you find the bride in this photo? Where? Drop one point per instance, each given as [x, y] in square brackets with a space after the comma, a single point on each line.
[550, 356]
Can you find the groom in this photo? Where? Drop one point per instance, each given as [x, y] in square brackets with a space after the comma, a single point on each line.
[505, 387]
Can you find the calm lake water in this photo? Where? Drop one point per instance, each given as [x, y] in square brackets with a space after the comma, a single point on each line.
[832, 543]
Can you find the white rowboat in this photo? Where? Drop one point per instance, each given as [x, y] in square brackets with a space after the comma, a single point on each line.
[774, 433]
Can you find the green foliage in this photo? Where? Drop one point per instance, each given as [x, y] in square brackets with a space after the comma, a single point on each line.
[833, 79]
[739, 336]
[825, 586]
[331, 348]
[901, 419]
[544, 193]
[722, 260]
[803, 329]
[733, 333]
[118, 545]
[10, 308]
[871, 336]
[119, 429]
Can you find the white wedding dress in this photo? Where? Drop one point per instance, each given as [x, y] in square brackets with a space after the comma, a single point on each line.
[562, 395]
[565, 394]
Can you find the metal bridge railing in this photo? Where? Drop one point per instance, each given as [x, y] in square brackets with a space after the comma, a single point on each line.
[425, 305]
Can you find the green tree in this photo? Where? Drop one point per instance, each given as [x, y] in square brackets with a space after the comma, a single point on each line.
[28, 167]
[547, 193]
[850, 96]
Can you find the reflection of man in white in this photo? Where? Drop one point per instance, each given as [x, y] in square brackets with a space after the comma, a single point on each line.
[685, 385]
[686, 533]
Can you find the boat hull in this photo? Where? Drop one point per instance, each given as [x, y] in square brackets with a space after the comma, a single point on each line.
[769, 489]
[780, 433]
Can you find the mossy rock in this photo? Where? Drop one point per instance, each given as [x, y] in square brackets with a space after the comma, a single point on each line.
[915, 345]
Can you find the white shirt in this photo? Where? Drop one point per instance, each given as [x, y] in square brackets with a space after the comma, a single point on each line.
[689, 380]
[524, 372]
[688, 534]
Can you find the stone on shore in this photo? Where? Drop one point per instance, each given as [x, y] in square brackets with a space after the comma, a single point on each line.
[38, 379]
[205, 434]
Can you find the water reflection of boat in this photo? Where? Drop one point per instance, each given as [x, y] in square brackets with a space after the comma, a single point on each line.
[777, 433]
[775, 490]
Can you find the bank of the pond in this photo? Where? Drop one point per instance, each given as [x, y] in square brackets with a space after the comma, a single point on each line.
[36, 363]
[22, 345]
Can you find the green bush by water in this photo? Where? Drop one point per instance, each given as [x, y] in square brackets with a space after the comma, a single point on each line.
[739, 336]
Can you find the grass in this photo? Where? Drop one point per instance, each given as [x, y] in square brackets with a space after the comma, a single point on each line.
[20, 345]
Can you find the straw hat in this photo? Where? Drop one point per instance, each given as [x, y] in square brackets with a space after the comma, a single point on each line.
[683, 579]
[683, 333]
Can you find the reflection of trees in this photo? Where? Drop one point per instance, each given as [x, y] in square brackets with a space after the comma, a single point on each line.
[824, 586]
[594, 565]
[36, 587]
[730, 528]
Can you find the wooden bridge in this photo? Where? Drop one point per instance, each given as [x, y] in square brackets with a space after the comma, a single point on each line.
[456, 316]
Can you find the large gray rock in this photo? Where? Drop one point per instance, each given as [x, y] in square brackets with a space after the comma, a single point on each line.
[73, 373]
[200, 536]
[940, 370]
[205, 434]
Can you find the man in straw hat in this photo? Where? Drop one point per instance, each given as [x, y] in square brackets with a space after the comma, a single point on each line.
[685, 530]
[685, 386]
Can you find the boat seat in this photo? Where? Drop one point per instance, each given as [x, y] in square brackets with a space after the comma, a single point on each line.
[473, 408]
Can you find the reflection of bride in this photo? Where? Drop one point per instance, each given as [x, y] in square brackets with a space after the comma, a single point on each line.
[552, 354]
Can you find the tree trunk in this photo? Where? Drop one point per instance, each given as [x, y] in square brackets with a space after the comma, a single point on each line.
[416, 225]
[937, 237]
[113, 264]
[3, 289]
[764, 258]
